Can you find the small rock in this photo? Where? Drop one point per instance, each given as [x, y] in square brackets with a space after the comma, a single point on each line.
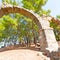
[37, 54]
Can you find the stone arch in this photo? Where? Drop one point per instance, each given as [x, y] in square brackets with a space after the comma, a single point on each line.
[47, 38]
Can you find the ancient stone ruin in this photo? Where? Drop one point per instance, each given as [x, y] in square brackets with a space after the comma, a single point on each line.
[47, 38]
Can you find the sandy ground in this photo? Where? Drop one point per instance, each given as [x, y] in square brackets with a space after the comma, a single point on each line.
[22, 54]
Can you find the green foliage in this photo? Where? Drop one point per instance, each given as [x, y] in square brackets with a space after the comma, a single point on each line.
[13, 2]
[58, 16]
[7, 26]
[36, 6]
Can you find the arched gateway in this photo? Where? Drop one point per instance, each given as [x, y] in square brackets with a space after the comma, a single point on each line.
[47, 38]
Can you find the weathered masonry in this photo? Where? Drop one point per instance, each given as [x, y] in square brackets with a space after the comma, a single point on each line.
[47, 38]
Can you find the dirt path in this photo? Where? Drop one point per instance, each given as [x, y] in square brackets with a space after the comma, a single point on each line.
[22, 54]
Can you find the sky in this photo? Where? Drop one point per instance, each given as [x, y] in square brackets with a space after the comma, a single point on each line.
[53, 5]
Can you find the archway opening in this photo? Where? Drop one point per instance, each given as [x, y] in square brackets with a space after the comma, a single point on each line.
[19, 30]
